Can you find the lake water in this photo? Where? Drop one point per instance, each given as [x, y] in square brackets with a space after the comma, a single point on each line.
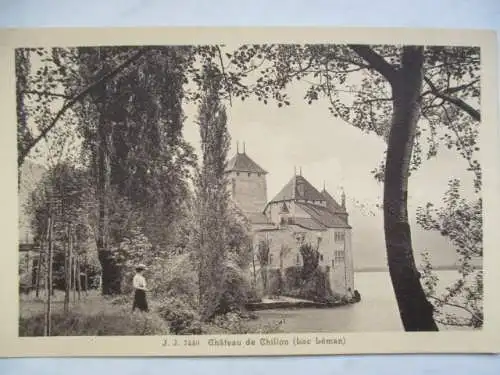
[377, 311]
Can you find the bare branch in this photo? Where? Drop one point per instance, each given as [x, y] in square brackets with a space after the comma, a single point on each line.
[453, 100]
[375, 100]
[224, 75]
[457, 306]
[45, 93]
[452, 90]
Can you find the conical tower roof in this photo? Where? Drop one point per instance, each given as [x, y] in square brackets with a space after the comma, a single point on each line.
[241, 162]
[298, 188]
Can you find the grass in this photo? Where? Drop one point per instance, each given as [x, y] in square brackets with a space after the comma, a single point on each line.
[93, 315]
[96, 315]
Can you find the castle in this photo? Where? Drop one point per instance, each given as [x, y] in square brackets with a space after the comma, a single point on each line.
[298, 213]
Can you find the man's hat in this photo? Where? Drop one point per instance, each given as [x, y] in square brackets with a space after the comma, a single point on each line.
[140, 267]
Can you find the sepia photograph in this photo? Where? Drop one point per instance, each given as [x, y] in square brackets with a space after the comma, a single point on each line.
[186, 190]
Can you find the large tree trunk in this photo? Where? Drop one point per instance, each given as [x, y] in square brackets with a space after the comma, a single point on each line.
[111, 272]
[415, 310]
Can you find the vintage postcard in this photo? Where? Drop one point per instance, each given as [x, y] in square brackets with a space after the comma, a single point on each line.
[217, 192]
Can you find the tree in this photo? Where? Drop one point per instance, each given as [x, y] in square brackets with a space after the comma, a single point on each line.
[460, 304]
[263, 254]
[395, 85]
[131, 126]
[310, 259]
[212, 197]
[42, 88]
[57, 207]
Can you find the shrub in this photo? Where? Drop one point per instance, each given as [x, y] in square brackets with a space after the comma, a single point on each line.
[316, 288]
[237, 288]
[181, 318]
[275, 282]
[176, 277]
[292, 278]
[236, 323]
[110, 322]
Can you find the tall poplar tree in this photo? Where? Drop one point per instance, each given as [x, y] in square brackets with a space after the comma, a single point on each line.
[212, 196]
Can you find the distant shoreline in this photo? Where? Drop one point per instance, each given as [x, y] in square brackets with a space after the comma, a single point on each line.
[435, 268]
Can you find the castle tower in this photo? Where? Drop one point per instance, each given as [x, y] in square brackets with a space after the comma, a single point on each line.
[247, 181]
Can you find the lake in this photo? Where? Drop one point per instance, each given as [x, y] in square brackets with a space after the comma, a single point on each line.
[377, 311]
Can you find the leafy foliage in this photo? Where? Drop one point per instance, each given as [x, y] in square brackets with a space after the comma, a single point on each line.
[212, 199]
[310, 259]
[182, 318]
[461, 304]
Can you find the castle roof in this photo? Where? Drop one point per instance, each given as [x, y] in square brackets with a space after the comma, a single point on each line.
[331, 203]
[323, 215]
[241, 162]
[308, 223]
[298, 188]
[257, 218]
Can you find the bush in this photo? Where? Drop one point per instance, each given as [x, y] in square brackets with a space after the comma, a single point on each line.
[111, 322]
[293, 278]
[275, 282]
[316, 288]
[236, 323]
[176, 277]
[181, 318]
[237, 288]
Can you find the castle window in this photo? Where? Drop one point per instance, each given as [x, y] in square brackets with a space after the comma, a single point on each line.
[321, 257]
[339, 256]
[339, 236]
[270, 259]
[237, 173]
[258, 174]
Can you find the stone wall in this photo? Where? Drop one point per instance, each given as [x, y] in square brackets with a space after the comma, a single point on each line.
[335, 255]
[249, 190]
